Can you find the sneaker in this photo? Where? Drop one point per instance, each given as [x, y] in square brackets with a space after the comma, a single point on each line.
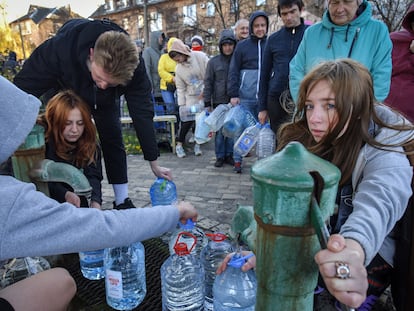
[229, 160]
[237, 167]
[179, 150]
[191, 140]
[126, 205]
[219, 162]
[197, 150]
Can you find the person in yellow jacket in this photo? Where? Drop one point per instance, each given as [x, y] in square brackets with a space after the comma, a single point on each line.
[166, 71]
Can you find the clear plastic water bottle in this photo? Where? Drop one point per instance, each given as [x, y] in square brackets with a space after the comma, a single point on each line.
[163, 192]
[92, 264]
[216, 118]
[265, 142]
[182, 279]
[247, 140]
[234, 289]
[249, 119]
[211, 257]
[188, 113]
[234, 123]
[17, 269]
[202, 133]
[192, 228]
[125, 276]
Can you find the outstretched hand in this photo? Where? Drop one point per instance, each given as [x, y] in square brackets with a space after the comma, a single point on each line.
[187, 211]
[352, 290]
[250, 263]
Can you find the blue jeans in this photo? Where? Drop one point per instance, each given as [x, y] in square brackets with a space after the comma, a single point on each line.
[169, 101]
[250, 106]
[223, 145]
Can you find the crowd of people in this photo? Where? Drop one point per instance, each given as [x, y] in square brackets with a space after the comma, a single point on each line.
[331, 86]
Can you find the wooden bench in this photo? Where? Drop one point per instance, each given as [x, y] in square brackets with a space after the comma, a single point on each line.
[169, 118]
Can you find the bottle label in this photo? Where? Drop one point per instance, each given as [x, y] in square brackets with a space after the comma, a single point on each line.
[90, 257]
[113, 281]
[246, 144]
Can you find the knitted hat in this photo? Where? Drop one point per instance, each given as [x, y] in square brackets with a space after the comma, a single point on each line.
[197, 39]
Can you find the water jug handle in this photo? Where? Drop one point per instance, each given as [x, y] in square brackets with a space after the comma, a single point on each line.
[188, 234]
[217, 237]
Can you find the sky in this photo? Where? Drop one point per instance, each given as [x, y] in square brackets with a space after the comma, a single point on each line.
[17, 8]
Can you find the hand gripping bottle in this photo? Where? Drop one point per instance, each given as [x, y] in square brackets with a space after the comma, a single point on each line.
[234, 123]
[125, 276]
[190, 227]
[182, 279]
[247, 140]
[163, 192]
[211, 257]
[216, 118]
[234, 289]
[92, 264]
[265, 142]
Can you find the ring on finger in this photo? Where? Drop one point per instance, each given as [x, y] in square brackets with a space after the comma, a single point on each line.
[342, 270]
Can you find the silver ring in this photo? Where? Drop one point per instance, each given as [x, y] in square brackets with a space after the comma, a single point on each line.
[342, 270]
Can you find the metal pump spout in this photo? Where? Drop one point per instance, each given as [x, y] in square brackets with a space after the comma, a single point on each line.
[50, 171]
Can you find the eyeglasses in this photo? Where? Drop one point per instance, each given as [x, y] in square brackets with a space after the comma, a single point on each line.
[337, 2]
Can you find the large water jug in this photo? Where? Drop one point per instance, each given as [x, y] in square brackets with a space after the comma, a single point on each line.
[125, 276]
[202, 133]
[266, 140]
[182, 279]
[234, 289]
[188, 113]
[163, 192]
[216, 118]
[234, 123]
[92, 264]
[211, 257]
[190, 227]
[249, 119]
[247, 140]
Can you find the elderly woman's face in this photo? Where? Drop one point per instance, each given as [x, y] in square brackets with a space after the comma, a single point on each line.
[321, 113]
[342, 12]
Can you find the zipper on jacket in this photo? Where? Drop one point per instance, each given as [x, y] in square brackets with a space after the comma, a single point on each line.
[95, 107]
[353, 41]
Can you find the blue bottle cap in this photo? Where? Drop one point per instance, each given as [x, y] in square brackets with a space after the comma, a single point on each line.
[237, 261]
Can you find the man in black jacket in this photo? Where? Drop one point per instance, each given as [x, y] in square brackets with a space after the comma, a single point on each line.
[280, 48]
[99, 62]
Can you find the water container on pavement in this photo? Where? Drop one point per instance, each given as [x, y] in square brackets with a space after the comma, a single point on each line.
[163, 192]
[265, 145]
[192, 228]
[188, 113]
[211, 257]
[247, 140]
[125, 276]
[92, 264]
[202, 133]
[182, 279]
[234, 123]
[216, 118]
[234, 289]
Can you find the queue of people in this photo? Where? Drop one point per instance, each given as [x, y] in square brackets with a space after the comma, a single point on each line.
[326, 96]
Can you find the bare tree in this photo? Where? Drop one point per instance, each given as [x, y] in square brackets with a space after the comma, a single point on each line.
[391, 12]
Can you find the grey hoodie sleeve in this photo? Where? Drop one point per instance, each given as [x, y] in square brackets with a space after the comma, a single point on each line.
[31, 224]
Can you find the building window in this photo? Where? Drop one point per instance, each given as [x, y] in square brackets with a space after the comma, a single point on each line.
[109, 6]
[155, 21]
[125, 23]
[211, 9]
[260, 2]
[234, 6]
[190, 14]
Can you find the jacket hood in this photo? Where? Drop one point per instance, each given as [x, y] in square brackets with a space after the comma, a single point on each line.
[255, 15]
[409, 17]
[226, 36]
[170, 42]
[180, 47]
[154, 40]
[17, 117]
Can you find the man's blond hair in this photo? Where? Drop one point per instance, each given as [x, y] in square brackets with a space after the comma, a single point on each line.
[117, 55]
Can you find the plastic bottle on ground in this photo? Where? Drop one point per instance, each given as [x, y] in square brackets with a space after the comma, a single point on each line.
[265, 145]
[247, 140]
[182, 279]
[234, 289]
[211, 257]
[125, 276]
[192, 228]
[163, 192]
[92, 264]
[216, 118]
[234, 123]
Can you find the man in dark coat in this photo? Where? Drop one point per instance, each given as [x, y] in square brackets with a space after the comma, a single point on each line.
[99, 62]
